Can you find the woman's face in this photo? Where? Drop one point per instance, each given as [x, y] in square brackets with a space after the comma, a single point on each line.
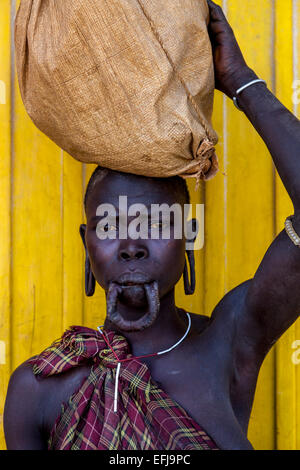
[153, 259]
[127, 262]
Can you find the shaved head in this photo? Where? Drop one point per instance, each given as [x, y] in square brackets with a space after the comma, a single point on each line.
[176, 183]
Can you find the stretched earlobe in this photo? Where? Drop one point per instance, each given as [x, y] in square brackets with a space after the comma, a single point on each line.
[191, 233]
[82, 230]
[90, 282]
[192, 229]
[189, 281]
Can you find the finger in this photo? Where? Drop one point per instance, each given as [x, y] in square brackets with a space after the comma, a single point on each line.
[216, 13]
[215, 9]
[218, 25]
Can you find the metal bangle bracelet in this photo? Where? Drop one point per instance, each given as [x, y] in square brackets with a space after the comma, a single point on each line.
[291, 231]
[243, 88]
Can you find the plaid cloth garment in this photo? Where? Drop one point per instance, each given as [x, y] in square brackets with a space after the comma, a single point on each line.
[146, 418]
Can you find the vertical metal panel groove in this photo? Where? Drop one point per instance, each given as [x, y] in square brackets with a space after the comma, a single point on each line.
[273, 88]
[62, 238]
[12, 159]
[225, 156]
[295, 48]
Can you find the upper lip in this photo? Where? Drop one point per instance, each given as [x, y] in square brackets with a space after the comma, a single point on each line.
[133, 278]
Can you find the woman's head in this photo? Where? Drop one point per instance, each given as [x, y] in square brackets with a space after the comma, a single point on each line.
[128, 254]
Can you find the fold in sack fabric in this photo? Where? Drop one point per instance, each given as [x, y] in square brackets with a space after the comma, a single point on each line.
[146, 418]
[125, 84]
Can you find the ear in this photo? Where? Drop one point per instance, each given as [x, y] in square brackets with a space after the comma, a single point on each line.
[90, 281]
[191, 233]
[82, 231]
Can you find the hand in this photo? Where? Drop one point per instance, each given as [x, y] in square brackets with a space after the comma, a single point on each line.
[231, 70]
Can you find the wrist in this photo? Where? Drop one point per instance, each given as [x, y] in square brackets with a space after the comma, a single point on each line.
[296, 221]
[237, 80]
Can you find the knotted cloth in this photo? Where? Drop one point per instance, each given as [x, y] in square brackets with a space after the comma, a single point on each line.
[125, 84]
[147, 418]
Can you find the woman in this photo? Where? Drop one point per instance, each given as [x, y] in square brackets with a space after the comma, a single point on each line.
[197, 393]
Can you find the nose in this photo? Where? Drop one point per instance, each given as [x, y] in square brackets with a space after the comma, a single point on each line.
[133, 252]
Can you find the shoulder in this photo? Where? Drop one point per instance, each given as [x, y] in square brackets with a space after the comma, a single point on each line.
[22, 413]
[226, 312]
[233, 323]
[232, 304]
[23, 382]
[228, 323]
[33, 403]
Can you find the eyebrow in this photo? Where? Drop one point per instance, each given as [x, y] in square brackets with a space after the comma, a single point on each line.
[154, 212]
[97, 217]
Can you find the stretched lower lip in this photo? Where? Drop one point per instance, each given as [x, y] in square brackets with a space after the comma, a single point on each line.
[152, 297]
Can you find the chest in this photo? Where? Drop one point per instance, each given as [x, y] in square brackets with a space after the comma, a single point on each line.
[203, 388]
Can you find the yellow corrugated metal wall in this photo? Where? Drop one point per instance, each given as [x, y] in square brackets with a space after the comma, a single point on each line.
[41, 192]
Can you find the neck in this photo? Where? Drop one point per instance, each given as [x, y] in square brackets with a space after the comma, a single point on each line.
[170, 325]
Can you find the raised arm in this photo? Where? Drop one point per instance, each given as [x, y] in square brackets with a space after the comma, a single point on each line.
[272, 300]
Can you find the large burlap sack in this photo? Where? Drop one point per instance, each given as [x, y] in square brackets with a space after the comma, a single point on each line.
[126, 84]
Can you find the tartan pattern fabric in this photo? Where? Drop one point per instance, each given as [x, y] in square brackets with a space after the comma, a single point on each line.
[146, 418]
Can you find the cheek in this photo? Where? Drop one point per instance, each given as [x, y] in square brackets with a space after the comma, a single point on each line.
[175, 250]
[170, 257]
[101, 253]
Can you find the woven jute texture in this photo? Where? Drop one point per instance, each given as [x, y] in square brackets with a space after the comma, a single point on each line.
[125, 84]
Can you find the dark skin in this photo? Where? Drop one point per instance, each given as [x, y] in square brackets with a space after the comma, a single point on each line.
[220, 364]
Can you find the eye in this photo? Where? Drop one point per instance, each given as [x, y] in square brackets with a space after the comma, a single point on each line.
[159, 225]
[156, 225]
[106, 228]
[160, 222]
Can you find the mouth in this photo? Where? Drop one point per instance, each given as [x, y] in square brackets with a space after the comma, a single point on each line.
[133, 279]
[115, 292]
